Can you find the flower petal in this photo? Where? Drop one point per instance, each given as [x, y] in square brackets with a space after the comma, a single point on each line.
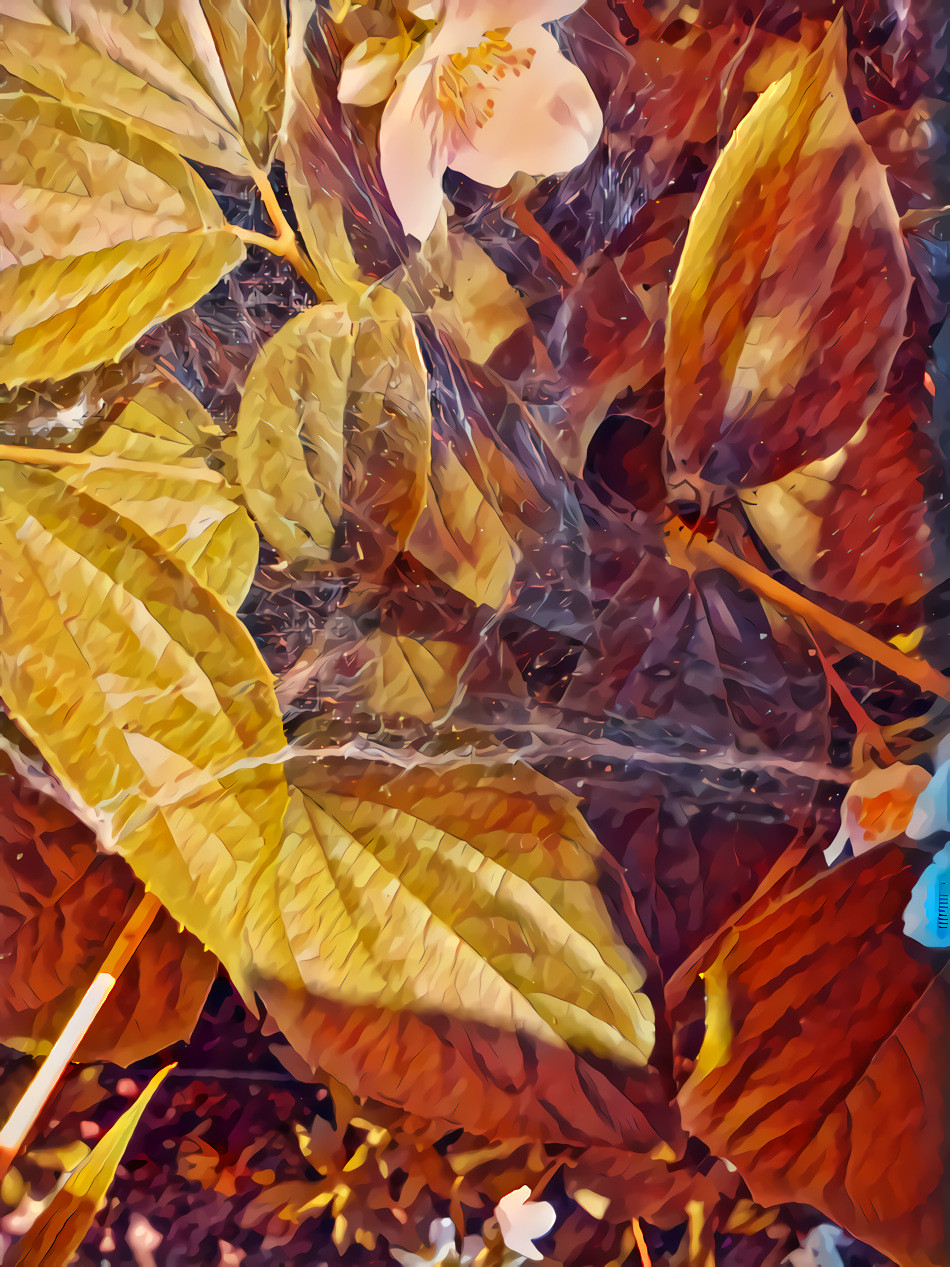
[411, 152]
[546, 120]
[492, 14]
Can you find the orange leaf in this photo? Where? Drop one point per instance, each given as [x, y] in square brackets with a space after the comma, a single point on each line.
[61, 906]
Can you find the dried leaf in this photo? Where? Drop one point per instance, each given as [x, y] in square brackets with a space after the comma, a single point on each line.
[458, 958]
[468, 298]
[59, 902]
[105, 234]
[789, 302]
[150, 702]
[333, 434]
[855, 525]
[204, 79]
[194, 516]
[820, 1064]
[59, 1230]
[461, 536]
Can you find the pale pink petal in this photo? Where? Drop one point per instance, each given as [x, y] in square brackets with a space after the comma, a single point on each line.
[412, 154]
[546, 120]
[492, 14]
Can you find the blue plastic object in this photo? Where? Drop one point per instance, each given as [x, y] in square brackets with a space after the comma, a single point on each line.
[927, 914]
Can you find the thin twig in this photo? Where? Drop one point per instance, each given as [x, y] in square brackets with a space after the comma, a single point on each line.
[863, 723]
[641, 1243]
[694, 547]
[104, 462]
[46, 1078]
[285, 244]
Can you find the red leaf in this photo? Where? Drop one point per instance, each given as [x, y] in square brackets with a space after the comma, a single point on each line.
[822, 1076]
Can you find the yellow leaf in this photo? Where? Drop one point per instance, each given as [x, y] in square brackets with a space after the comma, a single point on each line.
[149, 701]
[467, 296]
[59, 1230]
[204, 79]
[197, 521]
[105, 234]
[789, 301]
[334, 431]
[413, 677]
[457, 956]
[461, 536]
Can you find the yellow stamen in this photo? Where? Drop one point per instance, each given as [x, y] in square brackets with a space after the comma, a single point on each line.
[465, 82]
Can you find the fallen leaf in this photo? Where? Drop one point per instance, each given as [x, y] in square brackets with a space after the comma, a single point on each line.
[789, 301]
[857, 525]
[105, 234]
[821, 1061]
[59, 1230]
[467, 297]
[461, 535]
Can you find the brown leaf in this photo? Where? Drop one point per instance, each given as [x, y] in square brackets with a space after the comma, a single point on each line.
[789, 302]
[60, 907]
[819, 1077]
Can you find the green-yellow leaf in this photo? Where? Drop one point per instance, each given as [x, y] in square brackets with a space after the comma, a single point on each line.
[457, 956]
[149, 701]
[334, 433]
[205, 79]
[194, 515]
[59, 1230]
[105, 234]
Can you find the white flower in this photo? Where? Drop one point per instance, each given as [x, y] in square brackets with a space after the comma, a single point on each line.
[481, 94]
[522, 1221]
[819, 1248]
[442, 1248]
